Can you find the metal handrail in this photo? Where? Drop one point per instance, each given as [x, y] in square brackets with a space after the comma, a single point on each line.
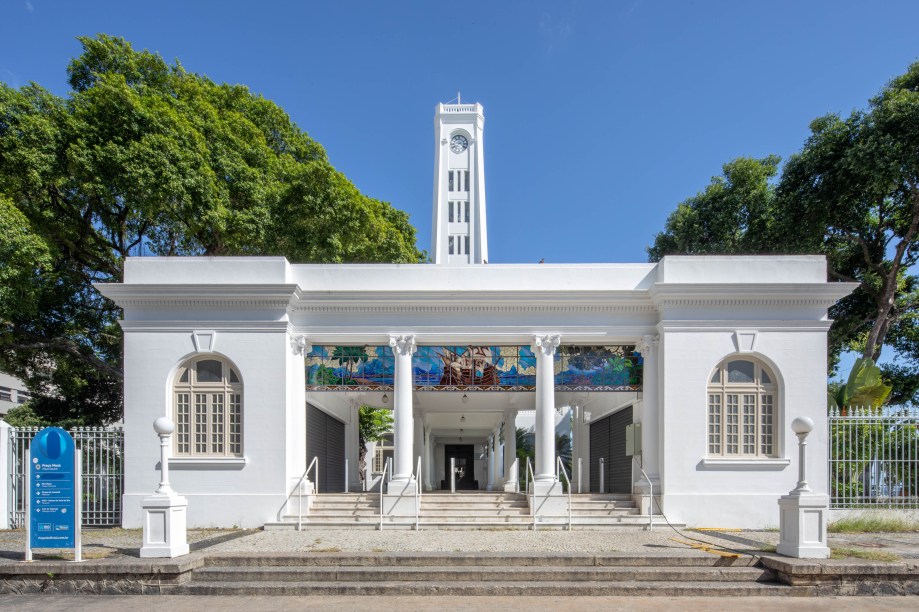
[315, 462]
[532, 501]
[417, 492]
[386, 468]
[560, 470]
[651, 491]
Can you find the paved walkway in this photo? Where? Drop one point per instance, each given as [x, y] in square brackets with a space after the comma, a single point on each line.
[115, 543]
[177, 603]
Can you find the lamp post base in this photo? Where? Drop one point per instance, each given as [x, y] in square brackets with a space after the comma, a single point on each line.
[164, 526]
[803, 526]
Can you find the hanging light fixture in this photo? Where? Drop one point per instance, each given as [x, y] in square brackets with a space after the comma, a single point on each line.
[465, 398]
[463, 419]
[462, 430]
[385, 399]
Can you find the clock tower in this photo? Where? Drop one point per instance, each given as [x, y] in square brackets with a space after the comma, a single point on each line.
[459, 232]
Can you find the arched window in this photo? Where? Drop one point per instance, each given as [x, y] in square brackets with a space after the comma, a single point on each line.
[742, 410]
[208, 409]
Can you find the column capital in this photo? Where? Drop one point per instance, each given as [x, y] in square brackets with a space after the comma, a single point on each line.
[647, 344]
[299, 344]
[403, 345]
[546, 344]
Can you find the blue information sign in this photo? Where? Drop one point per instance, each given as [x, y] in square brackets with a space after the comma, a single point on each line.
[52, 491]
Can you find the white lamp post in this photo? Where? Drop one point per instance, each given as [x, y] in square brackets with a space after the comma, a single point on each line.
[164, 427]
[802, 426]
[164, 511]
[802, 513]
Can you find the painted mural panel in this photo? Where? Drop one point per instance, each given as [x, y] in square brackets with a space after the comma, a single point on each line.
[473, 368]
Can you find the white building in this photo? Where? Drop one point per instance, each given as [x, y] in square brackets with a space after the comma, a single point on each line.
[12, 393]
[263, 365]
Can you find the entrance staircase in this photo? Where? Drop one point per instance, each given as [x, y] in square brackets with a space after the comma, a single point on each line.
[469, 510]
[419, 573]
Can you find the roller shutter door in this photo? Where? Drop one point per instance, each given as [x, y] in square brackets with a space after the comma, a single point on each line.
[325, 439]
[607, 440]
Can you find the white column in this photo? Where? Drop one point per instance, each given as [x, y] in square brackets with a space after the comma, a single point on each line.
[544, 347]
[490, 442]
[428, 466]
[418, 443]
[510, 450]
[403, 347]
[650, 450]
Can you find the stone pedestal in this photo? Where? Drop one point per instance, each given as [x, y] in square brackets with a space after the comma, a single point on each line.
[549, 498]
[400, 498]
[802, 526]
[164, 526]
[641, 495]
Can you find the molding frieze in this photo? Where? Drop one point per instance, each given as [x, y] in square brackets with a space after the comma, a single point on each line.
[300, 345]
[471, 308]
[546, 344]
[403, 345]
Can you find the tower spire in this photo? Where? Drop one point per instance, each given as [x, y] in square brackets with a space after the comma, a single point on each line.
[459, 232]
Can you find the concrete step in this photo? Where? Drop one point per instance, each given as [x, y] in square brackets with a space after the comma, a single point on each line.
[488, 574]
[516, 588]
[482, 559]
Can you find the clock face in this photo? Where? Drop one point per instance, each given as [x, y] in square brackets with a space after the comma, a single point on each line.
[458, 143]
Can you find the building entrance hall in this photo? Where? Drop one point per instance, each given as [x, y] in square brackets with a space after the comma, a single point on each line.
[465, 409]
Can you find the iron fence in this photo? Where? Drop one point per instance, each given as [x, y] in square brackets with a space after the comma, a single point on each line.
[874, 458]
[103, 473]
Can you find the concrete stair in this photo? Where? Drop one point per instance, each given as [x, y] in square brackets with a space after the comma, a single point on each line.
[479, 574]
[469, 510]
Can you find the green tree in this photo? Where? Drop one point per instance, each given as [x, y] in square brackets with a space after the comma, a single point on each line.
[852, 194]
[373, 425]
[732, 215]
[865, 388]
[145, 157]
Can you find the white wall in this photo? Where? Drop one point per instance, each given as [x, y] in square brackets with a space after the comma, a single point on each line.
[738, 493]
[221, 492]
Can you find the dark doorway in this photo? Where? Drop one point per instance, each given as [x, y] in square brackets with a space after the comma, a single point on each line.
[463, 456]
[325, 438]
[607, 440]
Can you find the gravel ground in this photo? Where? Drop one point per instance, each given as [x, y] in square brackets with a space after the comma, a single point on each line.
[109, 543]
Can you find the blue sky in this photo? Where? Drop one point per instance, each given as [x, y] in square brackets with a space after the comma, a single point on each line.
[600, 116]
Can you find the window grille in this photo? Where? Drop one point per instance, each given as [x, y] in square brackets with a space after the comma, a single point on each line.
[741, 410]
[208, 409]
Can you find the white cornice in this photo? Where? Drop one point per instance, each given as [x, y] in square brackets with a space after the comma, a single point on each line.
[275, 296]
[731, 325]
[821, 295]
[218, 326]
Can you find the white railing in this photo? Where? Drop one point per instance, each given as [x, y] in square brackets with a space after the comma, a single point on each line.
[650, 492]
[387, 469]
[530, 477]
[417, 492]
[103, 473]
[299, 489]
[874, 458]
[459, 108]
[561, 471]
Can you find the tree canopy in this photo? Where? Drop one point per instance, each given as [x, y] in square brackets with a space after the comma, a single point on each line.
[852, 194]
[143, 157]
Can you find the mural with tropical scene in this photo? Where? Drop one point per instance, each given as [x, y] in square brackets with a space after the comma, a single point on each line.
[473, 368]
